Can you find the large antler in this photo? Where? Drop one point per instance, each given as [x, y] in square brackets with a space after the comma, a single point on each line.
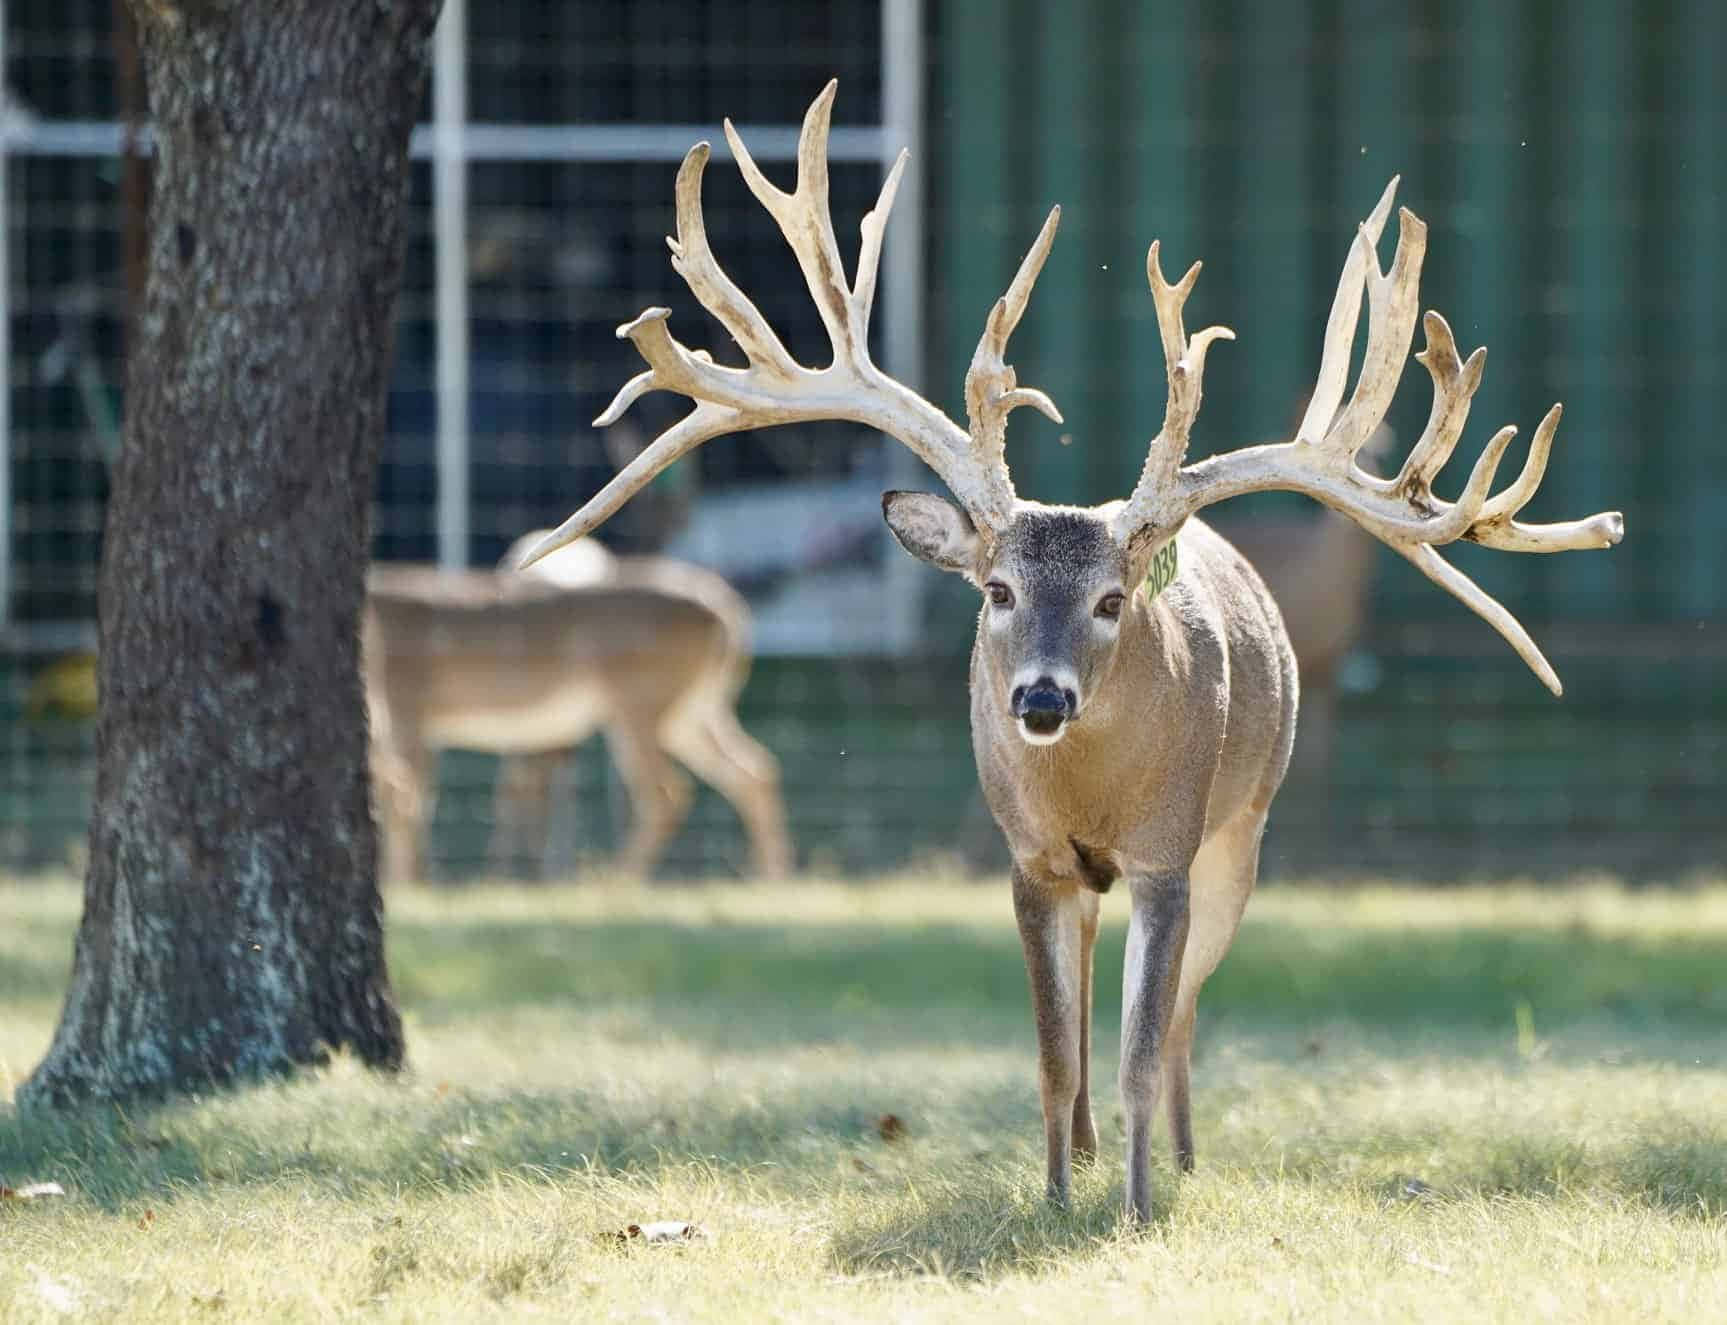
[775, 388]
[1403, 511]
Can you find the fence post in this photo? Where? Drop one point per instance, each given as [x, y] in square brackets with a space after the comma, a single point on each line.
[450, 240]
[5, 342]
[902, 326]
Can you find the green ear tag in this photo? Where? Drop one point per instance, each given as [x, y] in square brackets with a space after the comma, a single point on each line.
[1163, 569]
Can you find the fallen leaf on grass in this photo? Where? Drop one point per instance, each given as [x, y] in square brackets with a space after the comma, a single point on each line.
[662, 1231]
[890, 1127]
[34, 1192]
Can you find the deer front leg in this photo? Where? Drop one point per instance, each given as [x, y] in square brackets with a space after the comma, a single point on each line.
[1051, 926]
[1156, 939]
[1084, 1130]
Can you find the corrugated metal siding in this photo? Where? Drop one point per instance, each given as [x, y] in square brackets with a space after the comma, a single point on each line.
[1568, 160]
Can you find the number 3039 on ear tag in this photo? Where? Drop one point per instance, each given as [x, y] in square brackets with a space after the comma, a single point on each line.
[1163, 568]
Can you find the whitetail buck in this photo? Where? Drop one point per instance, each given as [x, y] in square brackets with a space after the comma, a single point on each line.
[654, 654]
[1133, 691]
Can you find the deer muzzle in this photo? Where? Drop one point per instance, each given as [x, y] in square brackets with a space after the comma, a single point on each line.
[1043, 708]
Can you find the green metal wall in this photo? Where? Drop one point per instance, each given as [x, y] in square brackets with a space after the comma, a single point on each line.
[1567, 157]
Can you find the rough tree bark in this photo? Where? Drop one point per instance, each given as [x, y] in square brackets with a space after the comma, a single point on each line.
[232, 923]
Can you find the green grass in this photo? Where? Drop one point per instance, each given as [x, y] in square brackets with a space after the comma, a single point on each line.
[1484, 1104]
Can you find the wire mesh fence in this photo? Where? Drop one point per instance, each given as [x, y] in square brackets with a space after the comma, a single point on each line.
[1233, 134]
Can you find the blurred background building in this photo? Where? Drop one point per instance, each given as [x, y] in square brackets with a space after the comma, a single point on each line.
[1567, 158]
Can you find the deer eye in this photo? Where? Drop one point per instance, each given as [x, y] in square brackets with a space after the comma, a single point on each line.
[999, 593]
[1110, 607]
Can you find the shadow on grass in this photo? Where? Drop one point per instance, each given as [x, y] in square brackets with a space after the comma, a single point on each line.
[833, 972]
[979, 1229]
[973, 1228]
[1468, 978]
[362, 1135]
[947, 1207]
[1682, 1174]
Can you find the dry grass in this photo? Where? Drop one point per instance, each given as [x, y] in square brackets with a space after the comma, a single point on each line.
[1486, 1104]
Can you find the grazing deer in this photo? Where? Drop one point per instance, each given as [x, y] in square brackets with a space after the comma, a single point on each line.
[522, 797]
[521, 803]
[655, 654]
[1133, 691]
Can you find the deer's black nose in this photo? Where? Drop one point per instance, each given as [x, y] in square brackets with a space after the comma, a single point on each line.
[1043, 706]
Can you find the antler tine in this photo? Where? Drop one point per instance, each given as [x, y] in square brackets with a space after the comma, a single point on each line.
[1402, 512]
[693, 260]
[1184, 358]
[1517, 496]
[992, 389]
[1454, 386]
[804, 219]
[1393, 300]
[1184, 364]
[1436, 568]
[873, 228]
[774, 388]
[1340, 325]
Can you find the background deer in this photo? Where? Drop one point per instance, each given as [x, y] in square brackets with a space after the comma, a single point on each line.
[654, 653]
[1133, 690]
[522, 797]
[1319, 569]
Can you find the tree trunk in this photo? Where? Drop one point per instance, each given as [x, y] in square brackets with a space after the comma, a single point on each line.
[232, 923]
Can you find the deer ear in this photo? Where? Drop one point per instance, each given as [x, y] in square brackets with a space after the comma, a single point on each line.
[933, 529]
